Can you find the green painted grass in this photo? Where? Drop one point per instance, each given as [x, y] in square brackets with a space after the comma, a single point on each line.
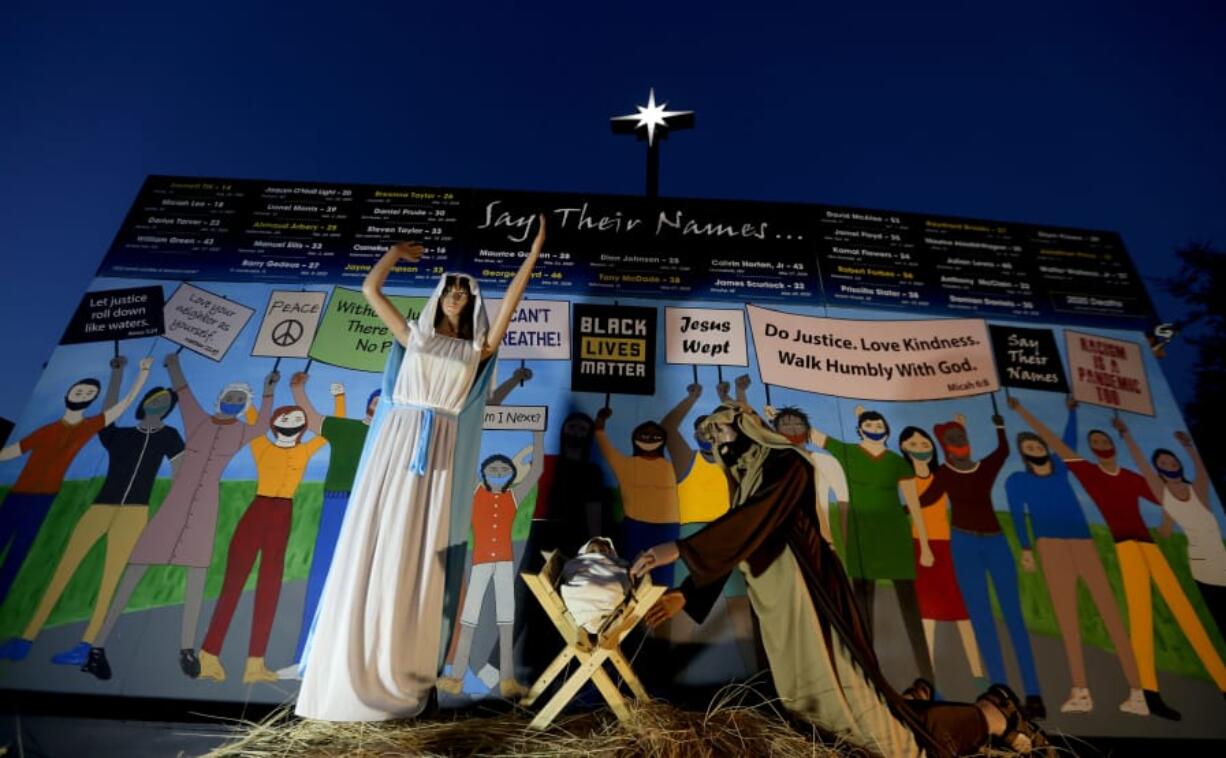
[163, 585]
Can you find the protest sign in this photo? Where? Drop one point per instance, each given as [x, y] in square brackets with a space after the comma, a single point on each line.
[614, 349]
[1108, 372]
[874, 360]
[117, 315]
[204, 322]
[351, 335]
[289, 324]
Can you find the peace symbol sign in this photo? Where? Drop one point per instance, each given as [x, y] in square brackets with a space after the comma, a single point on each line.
[286, 332]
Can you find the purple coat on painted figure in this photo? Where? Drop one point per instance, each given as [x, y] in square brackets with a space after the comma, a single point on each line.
[182, 531]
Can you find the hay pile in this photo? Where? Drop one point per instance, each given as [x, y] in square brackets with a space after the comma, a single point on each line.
[655, 730]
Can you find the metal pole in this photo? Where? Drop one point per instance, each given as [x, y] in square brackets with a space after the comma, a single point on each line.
[653, 169]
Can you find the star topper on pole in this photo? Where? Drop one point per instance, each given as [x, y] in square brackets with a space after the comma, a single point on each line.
[650, 119]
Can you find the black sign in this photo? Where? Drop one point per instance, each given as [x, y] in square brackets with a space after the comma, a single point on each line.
[116, 315]
[614, 349]
[619, 246]
[1028, 359]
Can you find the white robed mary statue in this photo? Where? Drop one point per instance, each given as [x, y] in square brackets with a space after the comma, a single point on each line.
[375, 647]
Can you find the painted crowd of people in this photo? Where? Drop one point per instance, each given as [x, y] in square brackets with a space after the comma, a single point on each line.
[792, 527]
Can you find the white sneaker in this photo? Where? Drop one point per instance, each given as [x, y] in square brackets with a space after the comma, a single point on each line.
[289, 672]
[1078, 701]
[1135, 704]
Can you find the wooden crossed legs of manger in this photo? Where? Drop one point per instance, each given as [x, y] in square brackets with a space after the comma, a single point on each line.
[591, 658]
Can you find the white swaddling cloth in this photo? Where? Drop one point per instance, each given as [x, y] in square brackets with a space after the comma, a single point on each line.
[594, 583]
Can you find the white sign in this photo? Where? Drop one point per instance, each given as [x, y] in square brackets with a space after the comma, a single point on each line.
[1108, 372]
[705, 336]
[203, 322]
[874, 360]
[526, 417]
[539, 331]
[289, 324]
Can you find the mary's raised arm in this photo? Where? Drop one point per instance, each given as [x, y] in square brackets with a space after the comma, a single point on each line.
[515, 292]
[372, 288]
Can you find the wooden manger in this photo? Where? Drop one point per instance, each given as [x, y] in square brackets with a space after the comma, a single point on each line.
[643, 594]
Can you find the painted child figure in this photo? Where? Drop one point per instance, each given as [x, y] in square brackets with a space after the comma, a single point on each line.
[594, 584]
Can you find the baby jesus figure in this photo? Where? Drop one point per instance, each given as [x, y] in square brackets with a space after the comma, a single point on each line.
[594, 585]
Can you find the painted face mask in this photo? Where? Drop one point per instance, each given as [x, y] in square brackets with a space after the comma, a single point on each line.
[921, 455]
[704, 444]
[874, 436]
[498, 481]
[497, 474]
[79, 405]
[157, 405]
[232, 409]
[1105, 453]
[289, 431]
[1171, 473]
[958, 451]
[1037, 460]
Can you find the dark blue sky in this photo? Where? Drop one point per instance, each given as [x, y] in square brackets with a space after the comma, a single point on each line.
[1106, 116]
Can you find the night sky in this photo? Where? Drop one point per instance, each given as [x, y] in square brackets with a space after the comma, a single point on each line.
[1095, 117]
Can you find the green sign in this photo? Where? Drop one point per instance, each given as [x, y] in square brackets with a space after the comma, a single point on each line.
[351, 334]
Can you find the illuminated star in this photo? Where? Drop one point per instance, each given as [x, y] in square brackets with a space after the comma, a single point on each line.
[652, 116]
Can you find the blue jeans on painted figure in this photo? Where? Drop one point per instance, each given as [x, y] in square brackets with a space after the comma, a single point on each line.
[331, 517]
[21, 516]
[640, 535]
[976, 557]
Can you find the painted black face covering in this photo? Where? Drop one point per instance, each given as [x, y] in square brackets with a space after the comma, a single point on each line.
[1037, 460]
[289, 431]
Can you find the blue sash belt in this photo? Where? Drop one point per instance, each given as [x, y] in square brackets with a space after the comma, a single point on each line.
[425, 433]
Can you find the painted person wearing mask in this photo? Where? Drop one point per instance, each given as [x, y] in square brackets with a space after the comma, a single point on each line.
[648, 487]
[495, 503]
[184, 528]
[52, 448]
[1068, 556]
[262, 531]
[876, 527]
[981, 552]
[1117, 493]
[1187, 503]
[118, 513]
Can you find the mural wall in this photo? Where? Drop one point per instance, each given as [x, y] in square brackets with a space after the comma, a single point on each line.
[1005, 473]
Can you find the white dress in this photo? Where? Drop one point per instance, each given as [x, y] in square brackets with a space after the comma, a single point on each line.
[1206, 554]
[374, 649]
